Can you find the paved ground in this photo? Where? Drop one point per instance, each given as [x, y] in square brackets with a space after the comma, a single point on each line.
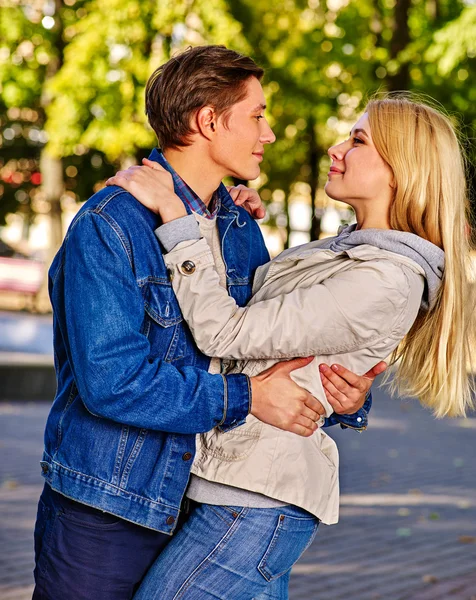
[408, 517]
[26, 333]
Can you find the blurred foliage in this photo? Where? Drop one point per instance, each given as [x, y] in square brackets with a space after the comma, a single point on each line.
[73, 73]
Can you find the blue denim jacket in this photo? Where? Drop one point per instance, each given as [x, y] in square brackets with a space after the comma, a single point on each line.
[133, 389]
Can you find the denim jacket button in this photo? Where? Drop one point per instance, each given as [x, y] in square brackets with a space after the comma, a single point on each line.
[188, 267]
[187, 456]
[170, 521]
[44, 468]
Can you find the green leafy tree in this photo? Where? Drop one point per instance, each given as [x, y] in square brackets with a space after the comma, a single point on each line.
[73, 74]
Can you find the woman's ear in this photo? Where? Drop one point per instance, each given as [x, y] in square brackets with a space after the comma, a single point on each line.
[206, 122]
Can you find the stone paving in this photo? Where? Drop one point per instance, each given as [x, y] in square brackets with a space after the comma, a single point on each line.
[408, 510]
[26, 333]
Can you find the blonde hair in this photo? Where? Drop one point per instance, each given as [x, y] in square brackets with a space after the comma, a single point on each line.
[421, 147]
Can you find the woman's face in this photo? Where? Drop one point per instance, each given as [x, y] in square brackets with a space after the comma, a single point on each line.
[358, 173]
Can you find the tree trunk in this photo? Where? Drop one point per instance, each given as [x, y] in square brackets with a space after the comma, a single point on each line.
[314, 159]
[53, 187]
[51, 167]
[400, 40]
[288, 221]
[377, 23]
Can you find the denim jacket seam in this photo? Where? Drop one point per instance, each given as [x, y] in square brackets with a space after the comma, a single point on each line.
[107, 483]
[59, 429]
[139, 442]
[112, 224]
[120, 452]
[58, 270]
[225, 401]
[119, 233]
[248, 381]
[152, 279]
[99, 208]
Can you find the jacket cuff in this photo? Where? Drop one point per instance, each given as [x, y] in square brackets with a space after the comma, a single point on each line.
[358, 420]
[237, 404]
[179, 230]
[189, 257]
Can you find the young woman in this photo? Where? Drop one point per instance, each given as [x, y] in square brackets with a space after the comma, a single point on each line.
[394, 283]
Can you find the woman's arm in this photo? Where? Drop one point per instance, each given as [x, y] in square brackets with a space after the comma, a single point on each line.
[153, 186]
[348, 311]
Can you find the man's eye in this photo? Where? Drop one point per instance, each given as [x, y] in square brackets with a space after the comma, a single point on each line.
[258, 117]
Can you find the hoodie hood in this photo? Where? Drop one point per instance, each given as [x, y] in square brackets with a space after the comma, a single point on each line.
[424, 253]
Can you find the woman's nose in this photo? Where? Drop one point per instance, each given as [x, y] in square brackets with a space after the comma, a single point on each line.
[337, 152]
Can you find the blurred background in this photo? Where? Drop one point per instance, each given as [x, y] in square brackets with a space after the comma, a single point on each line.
[72, 79]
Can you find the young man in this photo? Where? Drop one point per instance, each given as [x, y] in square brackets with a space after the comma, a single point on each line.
[133, 389]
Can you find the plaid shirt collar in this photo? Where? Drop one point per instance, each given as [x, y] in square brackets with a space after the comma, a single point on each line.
[185, 192]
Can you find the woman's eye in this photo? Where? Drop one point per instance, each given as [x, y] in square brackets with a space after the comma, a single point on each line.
[358, 141]
[259, 117]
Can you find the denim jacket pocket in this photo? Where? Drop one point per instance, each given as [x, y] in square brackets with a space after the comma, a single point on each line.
[160, 304]
[163, 322]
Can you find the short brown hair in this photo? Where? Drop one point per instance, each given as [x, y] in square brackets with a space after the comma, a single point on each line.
[201, 76]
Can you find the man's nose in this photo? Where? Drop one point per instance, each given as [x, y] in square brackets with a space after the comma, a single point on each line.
[267, 136]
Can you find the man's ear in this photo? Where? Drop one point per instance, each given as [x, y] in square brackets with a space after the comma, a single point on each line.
[206, 122]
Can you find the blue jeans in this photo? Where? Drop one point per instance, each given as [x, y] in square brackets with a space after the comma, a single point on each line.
[85, 554]
[231, 553]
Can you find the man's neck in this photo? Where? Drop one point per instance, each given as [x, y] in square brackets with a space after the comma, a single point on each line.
[197, 171]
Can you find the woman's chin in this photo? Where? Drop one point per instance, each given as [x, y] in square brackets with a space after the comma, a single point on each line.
[333, 194]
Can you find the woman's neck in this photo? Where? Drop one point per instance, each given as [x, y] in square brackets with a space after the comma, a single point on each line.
[372, 219]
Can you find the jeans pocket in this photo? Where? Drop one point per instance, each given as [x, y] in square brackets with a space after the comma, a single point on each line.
[292, 536]
[87, 516]
[228, 514]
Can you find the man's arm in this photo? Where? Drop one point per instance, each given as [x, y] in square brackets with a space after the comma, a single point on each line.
[115, 375]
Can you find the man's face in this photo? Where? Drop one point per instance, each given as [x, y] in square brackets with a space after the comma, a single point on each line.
[241, 134]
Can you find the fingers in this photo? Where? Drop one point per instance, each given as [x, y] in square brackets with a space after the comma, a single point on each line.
[291, 365]
[339, 382]
[234, 193]
[153, 164]
[119, 179]
[335, 398]
[310, 413]
[340, 376]
[239, 194]
[377, 370]
[301, 430]
[308, 424]
[315, 406]
[123, 176]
